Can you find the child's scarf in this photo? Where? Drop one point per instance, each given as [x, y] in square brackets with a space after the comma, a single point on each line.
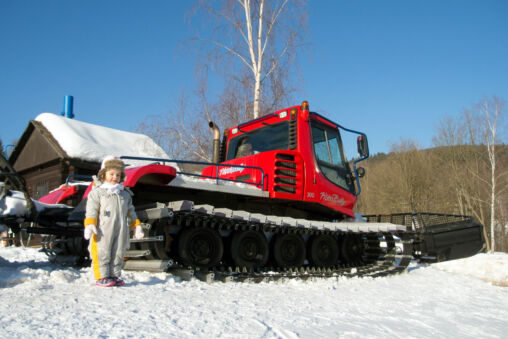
[116, 188]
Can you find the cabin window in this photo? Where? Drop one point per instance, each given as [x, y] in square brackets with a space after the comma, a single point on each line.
[41, 189]
[268, 138]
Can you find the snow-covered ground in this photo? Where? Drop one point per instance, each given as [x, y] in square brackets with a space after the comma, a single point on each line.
[457, 299]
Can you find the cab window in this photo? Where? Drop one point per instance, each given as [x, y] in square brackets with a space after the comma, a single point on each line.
[268, 138]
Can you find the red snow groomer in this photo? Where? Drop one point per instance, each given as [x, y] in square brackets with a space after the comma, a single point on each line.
[277, 201]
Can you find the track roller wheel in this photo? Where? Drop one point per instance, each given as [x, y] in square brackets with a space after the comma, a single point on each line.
[323, 251]
[249, 249]
[289, 250]
[200, 247]
[162, 248]
[352, 248]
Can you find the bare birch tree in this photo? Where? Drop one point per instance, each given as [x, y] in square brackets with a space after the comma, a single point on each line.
[459, 148]
[479, 177]
[260, 36]
[251, 46]
[490, 111]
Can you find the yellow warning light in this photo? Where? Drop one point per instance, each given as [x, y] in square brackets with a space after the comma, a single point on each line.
[305, 105]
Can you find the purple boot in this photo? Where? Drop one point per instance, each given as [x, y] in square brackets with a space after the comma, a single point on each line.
[105, 282]
[118, 281]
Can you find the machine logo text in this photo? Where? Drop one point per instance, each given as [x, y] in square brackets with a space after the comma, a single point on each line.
[333, 198]
[231, 170]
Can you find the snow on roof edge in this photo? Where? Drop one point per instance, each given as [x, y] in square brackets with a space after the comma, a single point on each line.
[92, 142]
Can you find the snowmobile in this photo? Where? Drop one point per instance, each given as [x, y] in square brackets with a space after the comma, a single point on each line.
[277, 201]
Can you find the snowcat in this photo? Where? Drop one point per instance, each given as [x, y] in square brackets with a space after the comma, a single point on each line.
[276, 201]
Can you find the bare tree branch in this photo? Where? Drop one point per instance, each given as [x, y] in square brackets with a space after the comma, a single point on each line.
[255, 37]
[230, 50]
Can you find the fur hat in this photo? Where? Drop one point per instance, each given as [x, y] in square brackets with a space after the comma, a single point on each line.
[113, 162]
[110, 162]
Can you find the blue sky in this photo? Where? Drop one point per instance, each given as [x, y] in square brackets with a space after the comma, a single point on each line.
[392, 69]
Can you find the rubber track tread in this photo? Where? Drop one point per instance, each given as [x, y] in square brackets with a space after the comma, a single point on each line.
[382, 262]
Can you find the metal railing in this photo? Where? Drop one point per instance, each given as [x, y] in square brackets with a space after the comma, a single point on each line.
[420, 219]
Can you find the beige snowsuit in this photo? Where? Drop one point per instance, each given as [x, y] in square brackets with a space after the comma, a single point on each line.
[109, 212]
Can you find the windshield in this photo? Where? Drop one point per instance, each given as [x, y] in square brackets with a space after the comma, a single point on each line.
[329, 155]
[268, 138]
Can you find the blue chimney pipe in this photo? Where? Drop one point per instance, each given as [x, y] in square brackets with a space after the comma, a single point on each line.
[68, 107]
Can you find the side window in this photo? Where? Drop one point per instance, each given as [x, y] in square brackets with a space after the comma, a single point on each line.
[327, 150]
[335, 151]
[320, 145]
[326, 146]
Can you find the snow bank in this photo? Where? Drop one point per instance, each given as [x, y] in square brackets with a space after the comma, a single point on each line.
[492, 268]
[93, 142]
[40, 299]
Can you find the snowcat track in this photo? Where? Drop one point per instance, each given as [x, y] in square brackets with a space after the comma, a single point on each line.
[380, 262]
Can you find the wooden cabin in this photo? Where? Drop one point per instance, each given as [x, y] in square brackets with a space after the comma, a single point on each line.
[53, 147]
[43, 162]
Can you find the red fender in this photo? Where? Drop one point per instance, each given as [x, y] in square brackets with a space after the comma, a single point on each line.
[157, 175]
[59, 195]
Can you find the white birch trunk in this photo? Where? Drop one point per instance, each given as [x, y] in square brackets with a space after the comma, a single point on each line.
[257, 76]
[493, 202]
[256, 54]
[257, 45]
[490, 138]
[257, 95]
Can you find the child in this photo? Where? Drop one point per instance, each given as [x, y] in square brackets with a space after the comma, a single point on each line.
[107, 208]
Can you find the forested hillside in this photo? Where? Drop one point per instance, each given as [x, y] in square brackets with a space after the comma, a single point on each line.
[454, 179]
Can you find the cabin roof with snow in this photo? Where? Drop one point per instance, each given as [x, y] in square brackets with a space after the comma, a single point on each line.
[53, 147]
[54, 136]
